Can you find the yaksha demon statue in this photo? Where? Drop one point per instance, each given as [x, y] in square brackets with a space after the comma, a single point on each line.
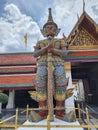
[50, 80]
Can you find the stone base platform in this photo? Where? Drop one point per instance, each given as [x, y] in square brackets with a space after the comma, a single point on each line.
[55, 122]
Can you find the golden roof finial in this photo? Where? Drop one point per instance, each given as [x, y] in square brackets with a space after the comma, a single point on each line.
[83, 5]
[77, 16]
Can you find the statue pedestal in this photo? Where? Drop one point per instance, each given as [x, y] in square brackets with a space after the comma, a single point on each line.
[55, 122]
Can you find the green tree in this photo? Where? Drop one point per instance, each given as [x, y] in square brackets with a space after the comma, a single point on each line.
[3, 100]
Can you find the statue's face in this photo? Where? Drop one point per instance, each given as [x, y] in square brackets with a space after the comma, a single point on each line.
[50, 30]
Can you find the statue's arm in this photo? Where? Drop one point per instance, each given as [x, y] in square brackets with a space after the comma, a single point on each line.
[60, 48]
[39, 51]
[60, 52]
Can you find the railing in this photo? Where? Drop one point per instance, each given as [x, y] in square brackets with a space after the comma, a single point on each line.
[15, 125]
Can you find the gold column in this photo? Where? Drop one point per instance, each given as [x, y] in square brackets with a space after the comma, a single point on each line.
[67, 66]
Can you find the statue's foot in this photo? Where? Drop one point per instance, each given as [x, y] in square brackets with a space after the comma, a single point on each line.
[36, 117]
[70, 117]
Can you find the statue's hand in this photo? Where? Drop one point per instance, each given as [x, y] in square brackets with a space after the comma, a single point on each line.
[50, 48]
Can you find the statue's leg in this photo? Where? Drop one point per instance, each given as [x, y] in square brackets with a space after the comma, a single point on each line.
[60, 88]
[42, 114]
[41, 81]
[60, 95]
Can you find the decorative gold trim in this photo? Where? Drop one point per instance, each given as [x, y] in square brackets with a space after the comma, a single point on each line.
[83, 47]
[84, 14]
[83, 38]
[67, 66]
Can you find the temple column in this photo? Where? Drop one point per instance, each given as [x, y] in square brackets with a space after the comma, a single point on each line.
[70, 101]
[68, 73]
[0, 107]
[10, 103]
[81, 90]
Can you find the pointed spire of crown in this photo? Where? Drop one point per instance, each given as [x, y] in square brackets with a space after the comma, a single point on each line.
[50, 20]
[50, 16]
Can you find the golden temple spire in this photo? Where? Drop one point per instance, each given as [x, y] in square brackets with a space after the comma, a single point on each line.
[25, 40]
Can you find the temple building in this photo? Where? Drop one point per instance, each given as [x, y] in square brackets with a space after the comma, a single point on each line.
[18, 70]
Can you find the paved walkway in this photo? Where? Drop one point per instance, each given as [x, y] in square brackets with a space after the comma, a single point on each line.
[10, 112]
[93, 110]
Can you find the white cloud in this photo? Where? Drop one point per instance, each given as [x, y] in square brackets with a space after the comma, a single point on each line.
[13, 27]
[14, 24]
[65, 13]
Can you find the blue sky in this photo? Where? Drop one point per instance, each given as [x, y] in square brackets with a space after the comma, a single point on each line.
[18, 17]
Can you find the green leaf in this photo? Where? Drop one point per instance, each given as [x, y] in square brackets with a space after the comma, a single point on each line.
[3, 98]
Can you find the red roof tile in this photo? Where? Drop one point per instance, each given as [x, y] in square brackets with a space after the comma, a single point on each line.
[17, 58]
[17, 79]
[18, 69]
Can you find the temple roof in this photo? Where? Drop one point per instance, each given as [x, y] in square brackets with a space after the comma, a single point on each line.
[17, 71]
[87, 23]
[17, 59]
[16, 81]
[81, 56]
